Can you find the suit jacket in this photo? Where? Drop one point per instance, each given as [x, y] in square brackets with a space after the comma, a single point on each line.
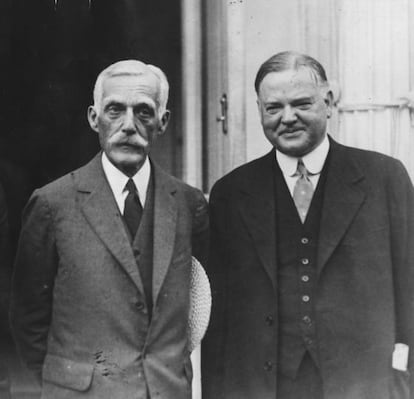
[78, 309]
[364, 296]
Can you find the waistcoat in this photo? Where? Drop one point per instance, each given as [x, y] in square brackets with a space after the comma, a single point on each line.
[143, 244]
[296, 249]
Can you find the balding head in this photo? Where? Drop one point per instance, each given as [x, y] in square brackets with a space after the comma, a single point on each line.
[290, 60]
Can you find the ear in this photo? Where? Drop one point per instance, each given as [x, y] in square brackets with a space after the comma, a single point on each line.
[93, 118]
[259, 107]
[329, 102]
[164, 122]
[258, 103]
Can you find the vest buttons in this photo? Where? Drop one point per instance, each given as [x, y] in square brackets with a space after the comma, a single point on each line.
[305, 261]
[305, 278]
[268, 366]
[305, 298]
[307, 319]
[269, 320]
[304, 240]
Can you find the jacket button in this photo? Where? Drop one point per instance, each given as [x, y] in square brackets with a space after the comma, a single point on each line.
[139, 305]
[269, 320]
[268, 366]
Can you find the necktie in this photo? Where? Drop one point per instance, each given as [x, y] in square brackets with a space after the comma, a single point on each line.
[303, 190]
[132, 209]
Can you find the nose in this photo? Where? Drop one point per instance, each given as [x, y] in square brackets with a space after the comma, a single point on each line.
[128, 125]
[288, 115]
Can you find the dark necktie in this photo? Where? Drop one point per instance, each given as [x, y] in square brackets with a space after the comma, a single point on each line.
[132, 209]
[303, 190]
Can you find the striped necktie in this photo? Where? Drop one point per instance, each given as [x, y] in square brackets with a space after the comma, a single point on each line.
[303, 190]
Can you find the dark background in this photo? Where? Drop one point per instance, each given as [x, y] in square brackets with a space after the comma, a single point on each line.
[50, 56]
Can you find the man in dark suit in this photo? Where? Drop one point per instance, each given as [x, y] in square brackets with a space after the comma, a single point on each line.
[312, 258]
[101, 286]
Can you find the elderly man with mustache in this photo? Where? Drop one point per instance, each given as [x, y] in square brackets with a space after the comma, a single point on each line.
[100, 297]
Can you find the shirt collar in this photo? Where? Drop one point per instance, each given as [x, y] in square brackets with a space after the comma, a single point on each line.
[313, 161]
[118, 180]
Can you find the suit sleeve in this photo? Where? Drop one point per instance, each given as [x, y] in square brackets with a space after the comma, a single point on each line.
[32, 285]
[401, 195]
[212, 348]
[5, 266]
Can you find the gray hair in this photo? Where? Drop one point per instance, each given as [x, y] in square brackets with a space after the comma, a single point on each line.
[290, 60]
[132, 68]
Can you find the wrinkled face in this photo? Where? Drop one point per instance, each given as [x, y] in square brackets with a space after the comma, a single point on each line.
[294, 110]
[128, 120]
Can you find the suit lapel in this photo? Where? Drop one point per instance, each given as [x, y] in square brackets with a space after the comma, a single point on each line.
[165, 224]
[257, 209]
[101, 211]
[343, 196]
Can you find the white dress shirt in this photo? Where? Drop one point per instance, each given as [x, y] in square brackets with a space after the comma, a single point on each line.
[313, 162]
[117, 181]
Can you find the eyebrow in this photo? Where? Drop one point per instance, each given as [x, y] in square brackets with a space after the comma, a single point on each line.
[115, 101]
[304, 98]
[295, 99]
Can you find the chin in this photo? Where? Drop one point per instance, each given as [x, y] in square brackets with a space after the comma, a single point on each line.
[127, 163]
[134, 163]
[291, 148]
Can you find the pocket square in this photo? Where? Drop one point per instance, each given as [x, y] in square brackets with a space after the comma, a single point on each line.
[400, 357]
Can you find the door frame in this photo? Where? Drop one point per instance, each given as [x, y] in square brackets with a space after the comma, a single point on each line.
[213, 64]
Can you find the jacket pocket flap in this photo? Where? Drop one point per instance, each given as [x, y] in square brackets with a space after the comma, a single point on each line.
[67, 373]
